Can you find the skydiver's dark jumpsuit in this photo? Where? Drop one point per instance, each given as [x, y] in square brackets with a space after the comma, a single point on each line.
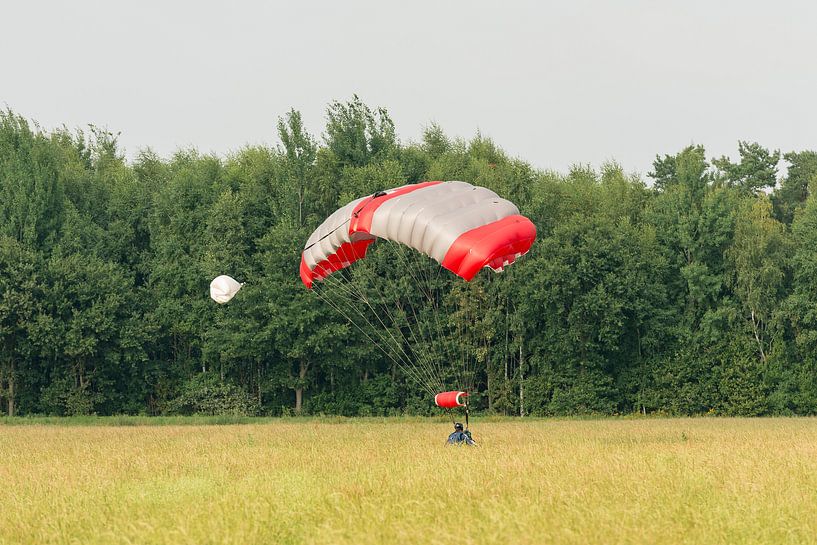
[460, 437]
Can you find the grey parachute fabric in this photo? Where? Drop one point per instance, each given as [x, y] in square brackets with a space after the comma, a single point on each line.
[461, 226]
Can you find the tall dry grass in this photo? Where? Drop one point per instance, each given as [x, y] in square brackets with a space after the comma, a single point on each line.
[368, 481]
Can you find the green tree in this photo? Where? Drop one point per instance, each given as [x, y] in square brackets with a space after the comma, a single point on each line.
[299, 330]
[31, 209]
[795, 187]
[19, 297]
[756, 171]
[357, 135]
[92, 335]
[759, 257]
[299, 155]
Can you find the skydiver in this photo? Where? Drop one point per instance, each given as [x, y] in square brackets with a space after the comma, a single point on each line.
[459, 436]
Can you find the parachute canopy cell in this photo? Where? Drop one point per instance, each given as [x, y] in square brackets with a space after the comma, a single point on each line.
[223, 288]
[461, 226]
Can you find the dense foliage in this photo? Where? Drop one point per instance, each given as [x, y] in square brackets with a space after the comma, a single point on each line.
[694, 294]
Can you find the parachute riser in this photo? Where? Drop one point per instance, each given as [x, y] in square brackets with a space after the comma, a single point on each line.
[451, 416]
[453, 399]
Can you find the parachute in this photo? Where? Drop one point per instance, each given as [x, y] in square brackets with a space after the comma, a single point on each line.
[461, 226]
[424, 321]
[223, 288]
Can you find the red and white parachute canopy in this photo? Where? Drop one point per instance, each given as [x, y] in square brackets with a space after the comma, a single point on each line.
[461, 226]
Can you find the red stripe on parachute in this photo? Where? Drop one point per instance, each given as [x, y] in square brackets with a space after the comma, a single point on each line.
[362, 217]
[493, 245]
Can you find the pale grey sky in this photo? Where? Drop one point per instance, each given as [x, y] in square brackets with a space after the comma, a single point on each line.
[555, 83]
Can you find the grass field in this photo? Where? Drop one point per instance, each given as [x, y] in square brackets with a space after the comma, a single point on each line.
[392, 481]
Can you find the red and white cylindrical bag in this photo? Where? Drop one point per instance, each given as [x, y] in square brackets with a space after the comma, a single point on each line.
[449, 400]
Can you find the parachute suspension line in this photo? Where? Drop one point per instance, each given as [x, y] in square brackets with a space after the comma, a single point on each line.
[443, 327]
[356, 213]
[444, 332]
[451, 416]
[457, 318]
[405, 368]
[480, 335]
[423, 353]
[411, 265]
[467, 332]
[422, 349]
[472, 353]
[469, 325]
[419, 357]
[351, 303]
[355, 296]
[444, 338]
[442, 301]
[470, 311]
[423, 342]
[353, 282]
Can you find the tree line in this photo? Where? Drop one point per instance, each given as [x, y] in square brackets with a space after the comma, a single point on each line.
[695, 293]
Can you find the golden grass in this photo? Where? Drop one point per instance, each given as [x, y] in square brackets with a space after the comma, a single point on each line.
[372, 481]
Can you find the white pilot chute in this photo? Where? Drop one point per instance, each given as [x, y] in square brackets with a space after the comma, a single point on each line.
[223, 288]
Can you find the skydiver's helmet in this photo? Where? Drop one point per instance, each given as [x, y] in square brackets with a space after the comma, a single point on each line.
[457, 427]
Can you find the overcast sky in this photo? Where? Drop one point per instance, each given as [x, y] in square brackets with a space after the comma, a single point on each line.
[555, 83]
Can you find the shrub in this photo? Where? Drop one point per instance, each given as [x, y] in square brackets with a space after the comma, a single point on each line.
[206, 394]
